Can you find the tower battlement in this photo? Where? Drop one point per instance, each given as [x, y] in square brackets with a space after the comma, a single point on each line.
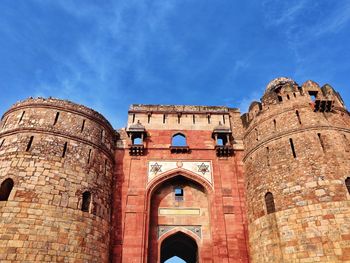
[175, 117]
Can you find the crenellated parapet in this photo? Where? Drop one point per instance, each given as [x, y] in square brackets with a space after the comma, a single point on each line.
[183, 120]
[286, 107]
[179, 116]
[59, 117]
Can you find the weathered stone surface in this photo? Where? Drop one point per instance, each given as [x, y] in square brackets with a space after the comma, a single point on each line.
[293, 144]
[42, 220]
[213, 201]
[309, 190]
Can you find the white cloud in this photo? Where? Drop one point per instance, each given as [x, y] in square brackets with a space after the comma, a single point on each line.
[281, 12]
[118, 41]
[335, 22]
[245, 102]
[302, 23]
[299, 20]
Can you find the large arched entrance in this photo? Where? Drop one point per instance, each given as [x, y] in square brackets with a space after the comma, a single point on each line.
[179, 220]
[180, 245]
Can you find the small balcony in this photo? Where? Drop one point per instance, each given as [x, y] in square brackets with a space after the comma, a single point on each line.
[223, 139]
[137, 134]
[136, 150]
[180, 149]
[224, 150]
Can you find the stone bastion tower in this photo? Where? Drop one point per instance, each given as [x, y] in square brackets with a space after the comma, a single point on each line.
[56, 164]
[297, 143]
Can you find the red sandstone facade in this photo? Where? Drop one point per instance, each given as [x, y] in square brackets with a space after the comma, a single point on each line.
[211, 211]
[203, 183]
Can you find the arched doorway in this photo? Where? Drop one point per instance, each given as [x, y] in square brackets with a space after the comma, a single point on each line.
[179, 245]
[179, 214]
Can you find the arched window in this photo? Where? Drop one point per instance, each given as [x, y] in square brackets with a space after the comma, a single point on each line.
[179, 140]
[137, 140]
[220, 142]
[5, 189]
[270, 203]
[179, 193]
[347, 183]
[85, 205]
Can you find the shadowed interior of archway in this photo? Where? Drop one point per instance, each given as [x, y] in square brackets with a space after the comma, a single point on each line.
[180, 245]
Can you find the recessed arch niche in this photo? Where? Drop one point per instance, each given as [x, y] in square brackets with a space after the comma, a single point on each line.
[168, 213]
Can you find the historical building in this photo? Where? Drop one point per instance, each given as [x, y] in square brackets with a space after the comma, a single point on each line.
[206, 184]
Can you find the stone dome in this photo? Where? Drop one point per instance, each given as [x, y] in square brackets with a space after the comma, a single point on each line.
[278, 82]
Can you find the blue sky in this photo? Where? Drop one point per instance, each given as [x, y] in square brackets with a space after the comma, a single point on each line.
[175, 260]
[110, 54]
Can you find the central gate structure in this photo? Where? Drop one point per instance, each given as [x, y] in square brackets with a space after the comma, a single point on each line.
[180, 186]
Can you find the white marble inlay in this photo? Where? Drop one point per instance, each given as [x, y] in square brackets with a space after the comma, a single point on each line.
[201, 168]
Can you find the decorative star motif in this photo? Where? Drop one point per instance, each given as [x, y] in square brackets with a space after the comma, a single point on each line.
[203, 168]
[156, 168]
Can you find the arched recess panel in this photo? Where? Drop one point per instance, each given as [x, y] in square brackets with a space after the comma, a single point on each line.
[177, 202]
[178, 140]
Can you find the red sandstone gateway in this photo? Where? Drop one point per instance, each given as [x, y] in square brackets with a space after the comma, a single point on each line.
[204, 184]
[182, 190]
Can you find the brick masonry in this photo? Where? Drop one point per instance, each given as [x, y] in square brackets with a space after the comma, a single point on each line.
[42, 220]
[312, 218]
[294, 144]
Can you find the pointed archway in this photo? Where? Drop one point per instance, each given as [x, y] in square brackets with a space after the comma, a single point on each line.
[180, 245]
[177, 202]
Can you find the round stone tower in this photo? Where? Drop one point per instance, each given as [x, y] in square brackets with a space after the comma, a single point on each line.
[297, 165]
[56, 165]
